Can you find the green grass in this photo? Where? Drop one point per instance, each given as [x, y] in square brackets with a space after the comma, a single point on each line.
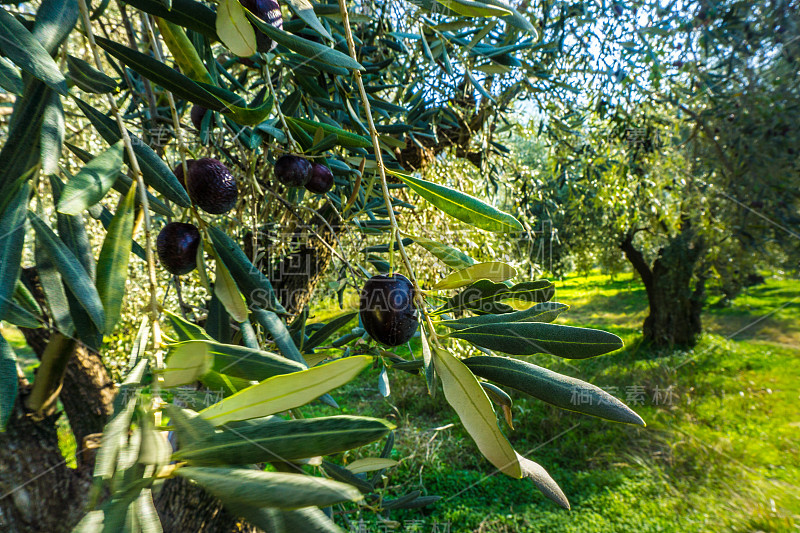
[721, 451]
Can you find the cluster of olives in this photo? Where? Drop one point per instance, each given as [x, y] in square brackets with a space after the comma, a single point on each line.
[387, 309]
[212, 187]
[295, 171]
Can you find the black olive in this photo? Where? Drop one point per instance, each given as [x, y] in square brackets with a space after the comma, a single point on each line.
[176, 246]
[387, 309]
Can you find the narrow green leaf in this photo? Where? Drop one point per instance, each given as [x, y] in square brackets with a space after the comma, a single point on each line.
[159, 73]
[185, 363]
[19, 152]
[450, 256]
[344, 137]
[305, 10]
[55, 19]
[542, 312]
[233, 29]
[205, 94]
[28, 54]
[269, 441]
[323, 333]
[72, 272]
[72, 230]
[191, 360]
[304, 47]
[427, 362]
[52, 135]
[21, 317]
[562, 391]
[528, 338]
[115, 436]
[186, 330]
[155, 172]
[543, 481]
[279, 393]
[189, 426]
[54, 290]
[280, 334]
[189, 14]
[270, 489]
[94, 180]
[146, 513]
[228, 293]
[123, 184]
[474, 408]
[515, 18]
[499, 397]
[493, 271]
[183, 51]
[486, 296]
[154, 448]
[9, 381]
[88, 78]
[10, 80]
[112, 266]
[255, 286]
[469, 8]
[462, 206]
[12, 240]
[371, 464]
[340, 473]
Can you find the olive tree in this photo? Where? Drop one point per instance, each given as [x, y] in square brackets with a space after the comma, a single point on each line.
[139, 115]
[680, 153]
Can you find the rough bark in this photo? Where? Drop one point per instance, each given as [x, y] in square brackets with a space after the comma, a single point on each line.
[675, 289]
[38, 491]
[88, 391]
[183, 506]
[297, 274]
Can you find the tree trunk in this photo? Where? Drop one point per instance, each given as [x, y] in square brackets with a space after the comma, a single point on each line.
[38, 491]
[296, 275]
[675, 305]
[183, 506]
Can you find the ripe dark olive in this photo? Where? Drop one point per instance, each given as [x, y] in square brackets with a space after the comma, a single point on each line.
[197, 114]
[178, 171]
[270, 12]
[176, 245]
[292, 170]
[387, 309]
[211, 186]
[321, 179]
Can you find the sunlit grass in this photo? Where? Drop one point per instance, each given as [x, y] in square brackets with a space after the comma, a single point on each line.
[721, 451]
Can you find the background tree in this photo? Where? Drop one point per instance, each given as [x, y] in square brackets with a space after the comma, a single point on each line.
[347, 89]
[682, 151]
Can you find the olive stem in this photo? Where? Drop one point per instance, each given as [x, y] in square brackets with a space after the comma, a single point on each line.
[133, 163]
[351, 45]
[292, 143]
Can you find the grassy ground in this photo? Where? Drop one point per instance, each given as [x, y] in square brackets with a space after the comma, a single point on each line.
[721, 451]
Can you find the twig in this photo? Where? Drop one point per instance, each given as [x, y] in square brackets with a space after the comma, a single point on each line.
[137, 172]
[351, 45]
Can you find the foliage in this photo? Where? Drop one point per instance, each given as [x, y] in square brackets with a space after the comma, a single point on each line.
[350, 89]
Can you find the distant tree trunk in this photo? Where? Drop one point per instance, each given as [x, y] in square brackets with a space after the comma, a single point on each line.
[297, 274]
[675, 288]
